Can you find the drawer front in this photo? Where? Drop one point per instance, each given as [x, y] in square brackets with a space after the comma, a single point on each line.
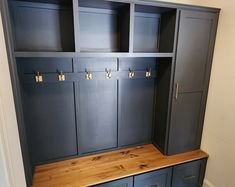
[160, 178]
[127, 182]
[189, 174]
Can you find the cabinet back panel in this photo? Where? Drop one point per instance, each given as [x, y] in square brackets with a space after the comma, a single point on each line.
[111, 28]
[44, 65]
[42, 26]
[135, 111]
[146, 32]
[96, 115]
[50, 120]
[95, 64]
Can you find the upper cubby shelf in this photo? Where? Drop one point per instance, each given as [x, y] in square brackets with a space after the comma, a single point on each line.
[43, 25]
[154, 29]
[103, 26]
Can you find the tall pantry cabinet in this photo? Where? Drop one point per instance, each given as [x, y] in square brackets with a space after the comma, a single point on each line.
[91, 76]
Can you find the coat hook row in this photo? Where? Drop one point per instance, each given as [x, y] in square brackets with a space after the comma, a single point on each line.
[89, 75]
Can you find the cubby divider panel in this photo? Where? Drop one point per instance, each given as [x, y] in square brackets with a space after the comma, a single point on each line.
[43, 26]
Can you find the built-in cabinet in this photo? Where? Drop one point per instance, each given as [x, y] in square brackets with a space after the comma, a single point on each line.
[98, 75]
[184, 175]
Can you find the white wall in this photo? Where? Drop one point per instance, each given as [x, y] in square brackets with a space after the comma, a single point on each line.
[11, 167]
[219, 130]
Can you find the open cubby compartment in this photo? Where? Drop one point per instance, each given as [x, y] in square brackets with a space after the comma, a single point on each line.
[103, 26]
[43, 25]
[154, 29]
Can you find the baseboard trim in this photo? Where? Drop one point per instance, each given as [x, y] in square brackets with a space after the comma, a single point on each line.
[207, 183]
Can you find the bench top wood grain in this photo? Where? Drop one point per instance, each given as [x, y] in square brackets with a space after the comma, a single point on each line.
[104, 167]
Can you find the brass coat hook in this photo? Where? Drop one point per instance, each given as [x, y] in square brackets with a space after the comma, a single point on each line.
[88, 75]
[61, 76]
[131, 74]
[108, 74]
[38, 77]
[148, 73]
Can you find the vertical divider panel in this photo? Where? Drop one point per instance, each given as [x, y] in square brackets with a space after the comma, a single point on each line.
[76, 24]
[132, 22]
[75, 60]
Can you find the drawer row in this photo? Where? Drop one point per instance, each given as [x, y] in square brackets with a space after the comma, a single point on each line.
[185, 175]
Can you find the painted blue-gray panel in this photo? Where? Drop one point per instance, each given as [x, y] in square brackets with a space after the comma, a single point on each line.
[159, 178]
[126, 182]
[50, 120]
[187, 175]
[42, 26]
[96, 115]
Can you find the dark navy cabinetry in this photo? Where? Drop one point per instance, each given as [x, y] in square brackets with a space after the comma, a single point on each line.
[184, 175]
[97, 75]
[127, 182]
[160, 178]
[192, 69]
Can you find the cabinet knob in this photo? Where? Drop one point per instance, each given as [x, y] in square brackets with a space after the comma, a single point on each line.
[38, 77]
[61, 76]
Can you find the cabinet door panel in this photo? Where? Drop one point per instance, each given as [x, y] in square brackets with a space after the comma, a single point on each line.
[160, 178]
[127, 182]
[189, 174]
[135, 111]
[50, 120]
[96, 115]
[184, 123]
[194, 39]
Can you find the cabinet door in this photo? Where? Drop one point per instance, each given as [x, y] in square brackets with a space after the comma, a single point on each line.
[193, 62]
[127, 182]
[96, 115]
[195, 35]
[184, 123]
[160, 178]
[50, 120]
[189, 174]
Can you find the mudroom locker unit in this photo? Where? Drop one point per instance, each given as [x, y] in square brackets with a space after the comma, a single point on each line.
[93, 76]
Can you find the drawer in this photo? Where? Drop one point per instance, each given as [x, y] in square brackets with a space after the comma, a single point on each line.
[126, 182]
[44, 65]
[95, 64]
[137, 64]
[189, 174]
[159, 178]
